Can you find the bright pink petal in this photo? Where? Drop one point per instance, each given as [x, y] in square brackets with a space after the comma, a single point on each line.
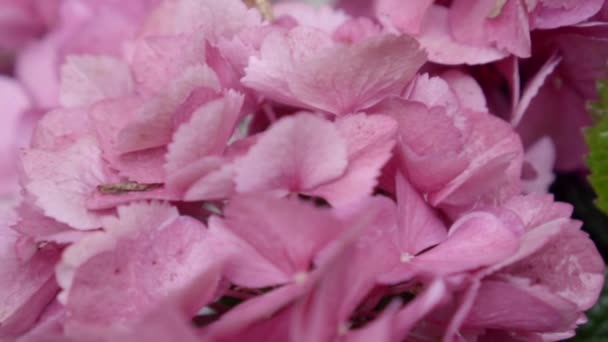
[296, 154]
[492, 146]
[370, 141]
[61, 182]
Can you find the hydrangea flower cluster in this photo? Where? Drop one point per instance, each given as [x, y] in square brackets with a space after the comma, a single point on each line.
[204, 170]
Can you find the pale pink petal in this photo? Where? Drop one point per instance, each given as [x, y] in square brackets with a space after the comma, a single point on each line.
[467, 90]
[296, 154]
[60, 128]
[88, 79]
[370, 141]
[539, 162]
[213, 19]
[159, 59]
[61, 182]
[323, 18]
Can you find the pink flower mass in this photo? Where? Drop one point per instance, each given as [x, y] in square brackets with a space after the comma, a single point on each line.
[205, 170]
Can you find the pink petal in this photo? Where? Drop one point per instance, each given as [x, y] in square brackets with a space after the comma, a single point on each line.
[159, 59]
[467, 90]
[428, 161]
[537, 309]
[537, 209]
[14, 102]
[436, 39]
[254, 310]
[417, 309]
[288, 234]
[407, 16]
[568, 265]
[61, 182]
[245, 266]
[419, 225]
[370, 141]
[153, 125]
[299, 75]
[545, 16]
[26, 287]
[142, 265]
[217, 120]
[296, 154]
[504, 25]
[323, 18]
[475, 240]
[88, 79]
[217, 184]
[60, 128]
[213, 19]
[492, 146]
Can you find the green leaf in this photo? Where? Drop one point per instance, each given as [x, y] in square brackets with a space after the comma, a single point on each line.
[597, 140]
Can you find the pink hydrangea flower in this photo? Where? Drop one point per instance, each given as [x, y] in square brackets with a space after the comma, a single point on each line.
[206, 170]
